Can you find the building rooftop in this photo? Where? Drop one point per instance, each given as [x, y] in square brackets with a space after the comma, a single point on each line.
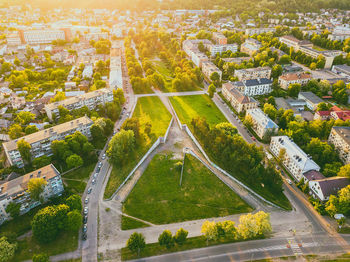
[241, 98]
[311, 97]
[343, 132]
[262, 118]
[250, 70]
[295, 76]
[20, 184]
[313, 175]
[48, 133]
[331, 185]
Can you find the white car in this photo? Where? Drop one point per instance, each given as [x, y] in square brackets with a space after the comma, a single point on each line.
[289, 181]
[104, 156]
[86, 210]
[86, 200]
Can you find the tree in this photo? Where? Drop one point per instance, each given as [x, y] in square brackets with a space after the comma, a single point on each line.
[15, 131]
[181, 236]
[248, 121]
[74, 202]
[276, 71]
[332, 205]
[41, 258]
[74, 220]
[282, 155]
[7, 250]
[344, 201]
[41, 161]
[132, 124]
[324, 106]
[344, 171]
[24, 149]
[58, 97]
[36, 187]
[227, 128]
[24, 117]
[209, 230]
[270, 110]
[294, 89]
[121, 146]
[247, 227]
[13, 209]
[166, 239]
[31, 129]
[215, 77]
[136, 243]
[262, 220]
[211, 90]
[74, 161]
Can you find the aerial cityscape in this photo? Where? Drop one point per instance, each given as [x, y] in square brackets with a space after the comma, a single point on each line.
[174, 130]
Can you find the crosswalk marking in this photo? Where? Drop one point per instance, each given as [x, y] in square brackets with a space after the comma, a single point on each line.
[294, 246]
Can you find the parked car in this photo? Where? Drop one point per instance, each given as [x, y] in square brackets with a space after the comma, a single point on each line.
[85, 219]
[104, 156]
[98, 170]
[85, 228]
[89, 190]
[86, 210]
[86, 200]
[93, 181]
[95, 175]
[84, 236]
[100, 164]
[289, 181]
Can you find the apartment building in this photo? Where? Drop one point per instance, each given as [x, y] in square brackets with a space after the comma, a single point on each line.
[218, 49]
[208, 68]
[262, 124]
[91, 100]
[254, 87]
[340, 138]
[191, 45]
[253, 73]
[322, 189]
[116, 73]
[33, 37]
[16, 190]
[250, 46]
[40, 141]
[198, 58]
[238, 100]
[293, 78]
[258, 31]
[295, 160]
[342, 70]
[291, 41]
[340, 33]
[328, 55]
[219, 38]
[312, 100]
[13, 39]
[88, 71]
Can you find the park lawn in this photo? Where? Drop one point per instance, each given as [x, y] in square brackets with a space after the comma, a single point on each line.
[162, 68]
[75, 186]
[65, 242]
[148, 109]
[129, 223]
[82, 172]
[159, 199]
[189, 107]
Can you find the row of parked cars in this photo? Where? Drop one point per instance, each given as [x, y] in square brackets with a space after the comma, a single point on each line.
[86, 201]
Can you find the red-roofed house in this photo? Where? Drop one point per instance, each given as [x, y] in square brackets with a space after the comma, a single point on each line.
[343, 115]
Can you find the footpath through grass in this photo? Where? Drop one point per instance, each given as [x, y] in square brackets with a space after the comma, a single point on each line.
[148, 109]
[129, 223]
[159, 199]
[188, 107]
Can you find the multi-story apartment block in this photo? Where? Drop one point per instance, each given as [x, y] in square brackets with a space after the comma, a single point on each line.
[295, 160]
[342, 70]
[258, 31]
[116, 73]
[253, 73]
[16, 190]
[293, 78]
[312, 100]
[218, 49]
[340, 138]
[239, 101]
[88, 71]
[250, 46]
[254, 87]
[13, 39]
[198, 58]
[291, 41]
[32, 37]
[91, 100]
[219, 38]
[191, 45]
[208, 68]
[340, 33]
[262, 124]
[40, 141]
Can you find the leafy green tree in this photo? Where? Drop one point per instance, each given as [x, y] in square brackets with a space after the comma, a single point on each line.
[136, 243]
[74, 202]
[134, 125]
[276, 71]
[74, 220]
[7, 250]
[24, 149]
[209, 230]
[41, 258]
[36, 187]
[166, 239]
[270, 110]
[121, 146]
[181, 236]
[119, 96]
[15, 131]
[294, 89]
[211, 90]
[324, 106]
[41, 162]
[13, 209]
[60, 150]
[31, 129]
[215, 77]
[74, 161]
[332, 205]
[227, 128]
[344, 201]
[344, 171]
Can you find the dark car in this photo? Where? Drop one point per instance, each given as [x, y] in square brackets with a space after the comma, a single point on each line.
[85, 219]
[84, 236]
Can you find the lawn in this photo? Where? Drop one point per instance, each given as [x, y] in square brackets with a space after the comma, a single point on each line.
[148, 109]
[66, 242]
[82, 172]
[188, 107]
[75, 186]
[129, 223]
[159, 199]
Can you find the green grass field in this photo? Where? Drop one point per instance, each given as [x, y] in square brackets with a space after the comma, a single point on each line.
[188, 107]
[129, 223]
[159, 199]
[148, 109]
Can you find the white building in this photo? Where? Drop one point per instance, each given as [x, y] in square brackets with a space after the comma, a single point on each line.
[322, 189]
[258, 31]
[40, 141]
[15, 190]
[88, 71]
[254, 87]
[250, 46]
[218, 49]
[262, 124]
[295, 160]
[312, 100]
[340, 138]
[253, 73]
[32, 37]
[91, 100]
[208, 68]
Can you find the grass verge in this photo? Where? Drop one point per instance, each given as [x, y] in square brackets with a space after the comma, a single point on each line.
[159, 199]
[129, 223]
[155, 249]
[151, 110]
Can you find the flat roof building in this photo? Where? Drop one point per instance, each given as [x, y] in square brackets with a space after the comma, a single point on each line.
[312, 100]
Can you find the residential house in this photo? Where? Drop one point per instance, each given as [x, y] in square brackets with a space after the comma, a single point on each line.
[208, 68]
[237, 99]
[322, 189]
[293, 78]
[254, 87]
[250, 46]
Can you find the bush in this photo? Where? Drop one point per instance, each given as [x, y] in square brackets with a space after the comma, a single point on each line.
[166, 239]
[181, 236]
